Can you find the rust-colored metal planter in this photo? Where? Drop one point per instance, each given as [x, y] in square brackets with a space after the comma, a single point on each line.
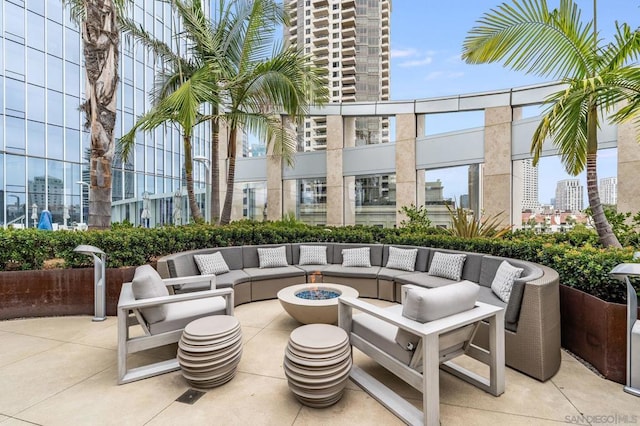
[57, 292]
[595, 330]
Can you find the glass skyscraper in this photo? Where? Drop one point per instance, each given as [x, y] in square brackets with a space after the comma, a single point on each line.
[43, 143]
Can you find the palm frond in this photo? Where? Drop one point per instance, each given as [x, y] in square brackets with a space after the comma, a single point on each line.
[527, 36]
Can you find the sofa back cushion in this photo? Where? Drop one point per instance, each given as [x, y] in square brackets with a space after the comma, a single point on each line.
[250, 258]
[147, 284]
[375, 252]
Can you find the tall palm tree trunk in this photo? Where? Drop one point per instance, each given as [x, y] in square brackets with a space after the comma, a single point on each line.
[603, 228]
[215, 168]
[231, 176]
[188, 170]
[100, 48]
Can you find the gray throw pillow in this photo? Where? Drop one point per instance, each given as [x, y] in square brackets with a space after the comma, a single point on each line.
[313, 255]
[212, 263]
[402, 259]
[503, 281]
[425, 305]
[147, 284]
[272, 257]
[357, 257]
[447, 265]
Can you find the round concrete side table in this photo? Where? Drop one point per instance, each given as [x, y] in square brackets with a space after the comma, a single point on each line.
[317, 363]
[209, 350]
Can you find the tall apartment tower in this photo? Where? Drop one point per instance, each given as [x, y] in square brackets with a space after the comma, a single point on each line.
[569, 195]
[350, 39]
[529, 183]
[608, 189]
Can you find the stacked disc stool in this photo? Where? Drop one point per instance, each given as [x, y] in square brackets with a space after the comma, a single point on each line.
[209, 350]
[317, 363]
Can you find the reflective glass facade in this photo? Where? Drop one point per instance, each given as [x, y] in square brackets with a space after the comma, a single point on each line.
[43, 144]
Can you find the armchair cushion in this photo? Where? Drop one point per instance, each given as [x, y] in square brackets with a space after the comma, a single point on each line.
[180, 314]
[313, 255]
[403, 259]
[147, 284]
[357, 257]
[212, 263]
[447, 265]
[428, 305]
[272, 257]
[504, 279]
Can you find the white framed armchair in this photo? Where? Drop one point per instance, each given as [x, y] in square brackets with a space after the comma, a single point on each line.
[146, 302]
[446, 319]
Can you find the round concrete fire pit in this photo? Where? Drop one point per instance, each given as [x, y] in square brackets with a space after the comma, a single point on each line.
[314, 303]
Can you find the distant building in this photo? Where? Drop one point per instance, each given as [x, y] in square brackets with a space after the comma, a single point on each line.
[528, 183]
[569, 195]
[608, 189]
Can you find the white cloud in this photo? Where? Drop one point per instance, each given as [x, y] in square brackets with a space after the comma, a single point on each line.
[403, 53]
[416, 62]
[441, 75]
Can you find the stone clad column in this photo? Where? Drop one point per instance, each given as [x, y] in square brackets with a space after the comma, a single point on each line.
[335, 185]
[406, 190]
[496, 185]
[274, 184]
[349, 182]
[628, 167]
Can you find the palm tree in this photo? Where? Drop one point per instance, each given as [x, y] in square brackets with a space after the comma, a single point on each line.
[100, 37]
[259, 89]
[180, 107]
[526, 35]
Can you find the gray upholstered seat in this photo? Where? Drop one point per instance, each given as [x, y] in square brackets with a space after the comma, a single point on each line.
[354, 272]
[422, 280]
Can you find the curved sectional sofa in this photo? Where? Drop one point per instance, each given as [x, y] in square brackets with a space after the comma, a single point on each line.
[532, 315]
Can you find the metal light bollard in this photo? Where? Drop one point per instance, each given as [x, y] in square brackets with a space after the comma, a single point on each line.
[99, 277]
[622, 273]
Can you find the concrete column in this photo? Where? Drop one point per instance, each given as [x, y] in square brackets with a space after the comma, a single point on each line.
[335, 188]
[496, 185]
[289, 197]
[628, 166]
[274, 184]
[406, 190]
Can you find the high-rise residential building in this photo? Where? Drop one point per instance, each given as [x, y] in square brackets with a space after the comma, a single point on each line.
[43, 142]
[350, 39]
[529, 185]
[608, 190]
[569, 195]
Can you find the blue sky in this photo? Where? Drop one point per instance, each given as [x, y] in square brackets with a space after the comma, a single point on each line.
[426, 42]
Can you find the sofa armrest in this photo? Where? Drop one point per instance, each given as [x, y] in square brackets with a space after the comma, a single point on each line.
[179, 281]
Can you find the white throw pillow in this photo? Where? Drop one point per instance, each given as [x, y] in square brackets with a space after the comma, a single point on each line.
[357, 257]
[503, 281]
[447, 265]
[403, 259]
[272, 257]
[313, 255]
[211, 263]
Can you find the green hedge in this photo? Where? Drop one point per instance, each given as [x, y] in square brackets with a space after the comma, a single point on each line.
[579, 264]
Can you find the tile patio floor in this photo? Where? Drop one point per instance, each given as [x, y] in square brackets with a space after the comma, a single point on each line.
[62, 371]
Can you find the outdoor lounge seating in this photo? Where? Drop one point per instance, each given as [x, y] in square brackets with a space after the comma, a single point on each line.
[146, 302]
[414, 349]
[532, 312]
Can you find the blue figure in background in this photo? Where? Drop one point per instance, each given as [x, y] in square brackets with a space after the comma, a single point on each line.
[45, 221]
